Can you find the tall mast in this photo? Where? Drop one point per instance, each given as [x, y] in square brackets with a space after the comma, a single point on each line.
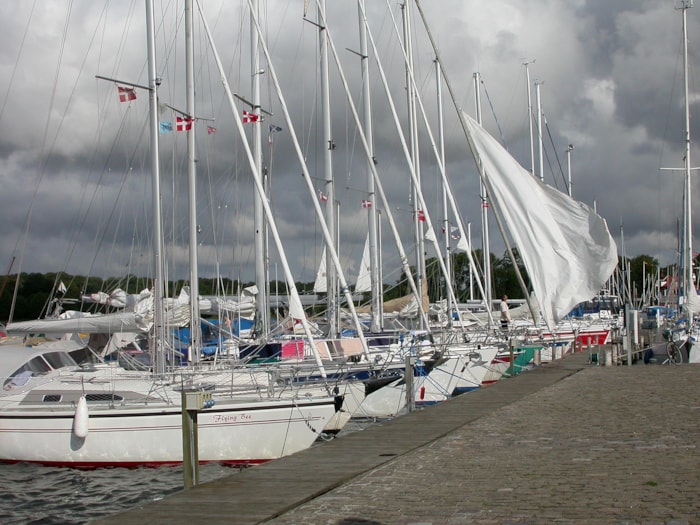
[195, 327]
[539, 129]
[687, 257]
[569, 149]
[484, 208]
[376, 305]
[158, 285]
[415, 159]
[331, 280]
[445, 222]
[529, 116]
[262, 310]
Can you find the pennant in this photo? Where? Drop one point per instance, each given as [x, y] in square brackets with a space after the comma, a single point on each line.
[454, 232]
[273, 129]
[421, 215]
[210, 130]
[184, 123]
[62, 288]
[366, 203]
[165, 127]
[250, 117]
[322, 196]
[126, 93]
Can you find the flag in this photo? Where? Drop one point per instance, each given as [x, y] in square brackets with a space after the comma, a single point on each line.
[366, 203]
[184, 123]
[126, 93]
[454, 232]
[273, 129]
[165, 127]
[210, 130]
[566, 247]
[421, 215]
[322, 196]
[250, 117]
[62, 288]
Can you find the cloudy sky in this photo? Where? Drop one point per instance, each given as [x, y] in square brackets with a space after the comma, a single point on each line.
[75, 185]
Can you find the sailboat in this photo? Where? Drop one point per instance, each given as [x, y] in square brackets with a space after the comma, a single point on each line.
[689, 303]
[55, 412]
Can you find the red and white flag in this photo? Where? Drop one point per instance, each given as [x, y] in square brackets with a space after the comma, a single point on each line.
[183, 123]
[249, 117]
[421, 215]
[126, 93]
[322, 196]
[366, 203]
[210, 130]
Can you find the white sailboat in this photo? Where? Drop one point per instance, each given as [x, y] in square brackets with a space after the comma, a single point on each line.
[689, 302]
[54, 412]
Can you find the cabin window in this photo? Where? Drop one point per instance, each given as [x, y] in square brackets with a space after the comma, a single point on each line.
[34, 367]
[59, 360]
[102, 398]
[52, 398]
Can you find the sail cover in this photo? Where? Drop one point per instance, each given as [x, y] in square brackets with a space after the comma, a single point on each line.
[566, 247]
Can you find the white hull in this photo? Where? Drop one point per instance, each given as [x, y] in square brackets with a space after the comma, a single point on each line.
[439, 385]
[133, 419]
[233, 432]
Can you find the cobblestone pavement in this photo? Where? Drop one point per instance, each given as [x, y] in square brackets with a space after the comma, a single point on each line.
[607, 445]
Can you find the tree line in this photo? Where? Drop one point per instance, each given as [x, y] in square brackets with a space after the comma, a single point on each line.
[36, 290]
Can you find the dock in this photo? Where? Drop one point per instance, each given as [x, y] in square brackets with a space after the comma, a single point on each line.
[566, 442]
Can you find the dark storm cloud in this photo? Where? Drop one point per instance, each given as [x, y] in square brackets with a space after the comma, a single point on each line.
[611, 87]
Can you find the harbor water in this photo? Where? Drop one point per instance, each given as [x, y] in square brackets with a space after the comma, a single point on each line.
[38, 495]
[33, 494]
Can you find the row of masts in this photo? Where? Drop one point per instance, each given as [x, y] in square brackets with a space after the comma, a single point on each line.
[422, 225]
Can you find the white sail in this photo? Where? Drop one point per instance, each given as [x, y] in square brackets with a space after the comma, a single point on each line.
[320, 285]
[566, 247]
[692, 301]
[364, 278]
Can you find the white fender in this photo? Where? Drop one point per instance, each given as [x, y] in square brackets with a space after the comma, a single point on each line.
[81, 419]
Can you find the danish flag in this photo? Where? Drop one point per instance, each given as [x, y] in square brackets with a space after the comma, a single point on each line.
[184, 123]
[249, 117]
[126, 93]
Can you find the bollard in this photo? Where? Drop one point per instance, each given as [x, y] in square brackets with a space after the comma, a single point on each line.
[537, 358]
[556, 352]
[512, 359]
[408, 380]
[608, 356]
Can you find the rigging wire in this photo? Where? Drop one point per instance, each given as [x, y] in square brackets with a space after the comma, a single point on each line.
[42, 156]
[19, 54]
[493, 112]
[556, 156]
